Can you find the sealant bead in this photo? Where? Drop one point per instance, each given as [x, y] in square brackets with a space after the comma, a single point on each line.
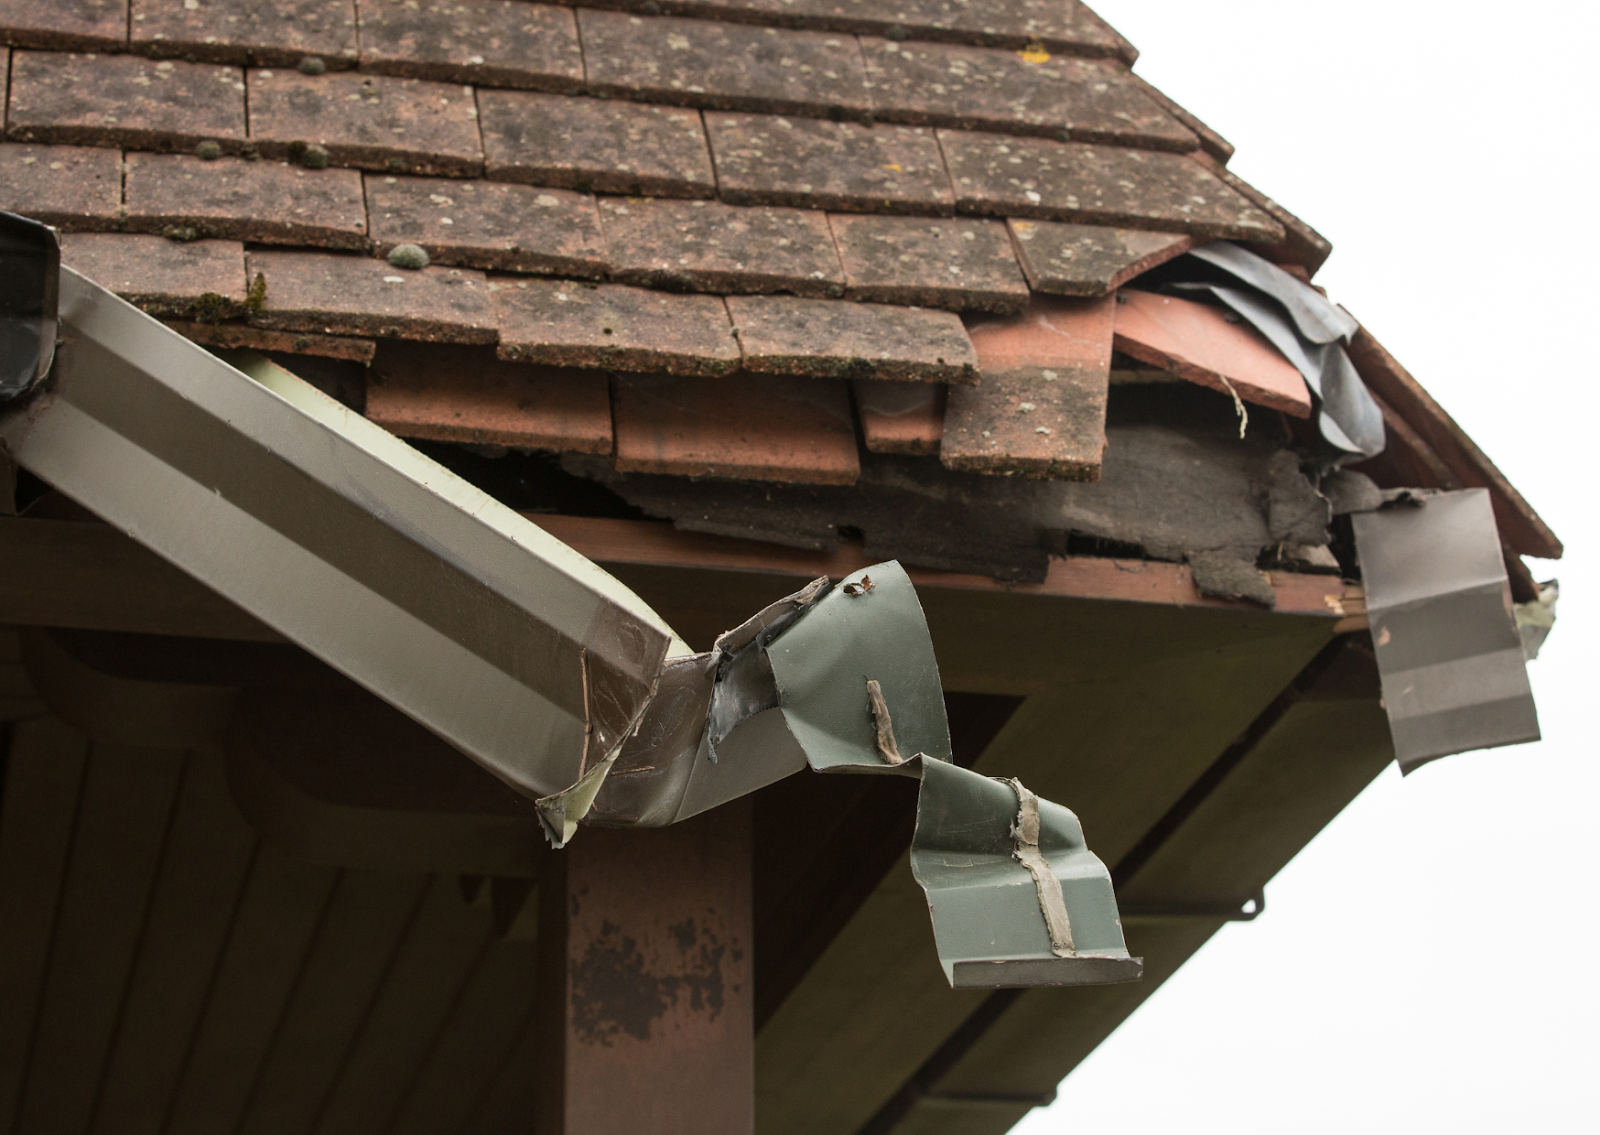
[409, 256]
[208, 151]
[311, 65]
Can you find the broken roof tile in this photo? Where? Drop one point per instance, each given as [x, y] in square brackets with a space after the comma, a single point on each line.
[603, 145]
[368, 121]
[65, 25]
[239, 336]
[1017, 92]
[1200, 343]
[962, 265]
[1070, 181]
[837, 338]
[562, 323]
[1040, 408]
[712, 247]
[356, 295]
[258, 32]
[900, 417]
[124, 100]
[203, 277]
[70, 187]
[1089, 260]
[467, 395]
[486, 224]
[745, 427]
[771, 160]
[504, 43]
[727, 66]
[244, 200]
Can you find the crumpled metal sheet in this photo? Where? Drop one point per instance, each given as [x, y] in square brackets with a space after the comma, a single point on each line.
[1439, 603]
[28, 294]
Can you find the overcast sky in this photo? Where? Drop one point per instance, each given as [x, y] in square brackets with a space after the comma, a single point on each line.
[1428, 963]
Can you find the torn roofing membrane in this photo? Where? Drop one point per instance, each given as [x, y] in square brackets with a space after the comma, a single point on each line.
[526, 656]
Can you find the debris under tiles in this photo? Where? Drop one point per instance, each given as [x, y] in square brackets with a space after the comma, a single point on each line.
[839, 339]
[368, 121]
[469, 396]
[123, 100]
[1089, 260]
[357, 295]
[765, 159]
[600, 145]
[264, 34]
[203, 278]
[495, 42]
[485, 224]
[962, 265]
[706, 246]
[900, 417]
[747, 427]
[71, 187]
[269, 202]
[563, 323]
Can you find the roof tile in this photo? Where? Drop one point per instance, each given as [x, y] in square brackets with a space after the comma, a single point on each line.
[759, 428]
[238, 336]
[1300, 244]
[1070, 181]
[727, 66]
[124, 100]
[963, 265]
[900, 417]
[468, 395]
[1198, 342]
[1089, 260]
[160, 275]
[65, 25]
[560, 323]
[1017, 92]
[836, 338]
[264, 32]
[246, 200]
[498, 42]
[71, 187]
[770, 160]
[595, 144]
[486, 224]
[709, 246]
[369, 121]
[357, 295]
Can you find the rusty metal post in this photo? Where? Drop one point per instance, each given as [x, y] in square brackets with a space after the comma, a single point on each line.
[645, 993]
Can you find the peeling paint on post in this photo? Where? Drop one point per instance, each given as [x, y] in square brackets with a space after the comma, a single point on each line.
[645, 995]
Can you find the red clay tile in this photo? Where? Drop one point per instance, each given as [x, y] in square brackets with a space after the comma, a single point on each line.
[262, 201]
[485, 224]
[1210, 141]
[770, 160]
[840, 339]
[1016, 92]
[742, 427]
[465, 394]
[204, 277]
[1198, 342]
[357, 295]
[962, 265]
[65, 25]
[1300, 243]
[123, 100]
[1089, 260]
[727, 66]
[1040, 408]
[238, 336]
[706, 246]
[255, 32]
[561, 323]
[599, 145]
[70, 187]
[900, 417]
[368, 121]
[1109, 185]
[501, 43]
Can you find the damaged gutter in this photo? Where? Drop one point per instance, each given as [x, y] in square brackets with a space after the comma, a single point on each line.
[515, 649]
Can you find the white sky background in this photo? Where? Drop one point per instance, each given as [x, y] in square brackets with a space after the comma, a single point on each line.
[1429, 962]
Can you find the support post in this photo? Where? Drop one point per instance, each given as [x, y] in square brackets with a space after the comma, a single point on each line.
[645, 997]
